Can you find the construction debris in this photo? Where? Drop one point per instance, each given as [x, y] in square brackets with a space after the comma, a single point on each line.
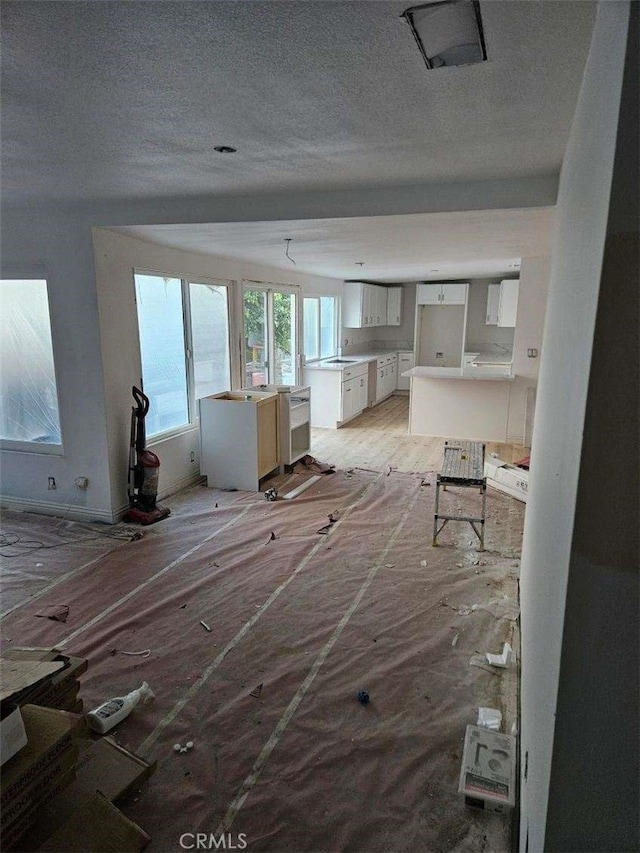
[503, 659]
[302, 488]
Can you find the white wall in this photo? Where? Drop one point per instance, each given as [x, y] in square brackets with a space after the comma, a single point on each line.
[532, 304]
[95, 342]
[116, 256]
[58, 249]
[576, 266]
[479, 334]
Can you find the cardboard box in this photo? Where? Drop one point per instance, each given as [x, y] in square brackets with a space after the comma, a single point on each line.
[102, 766]
[12, 732]
[50, 690]
[507, 478]
[39, 786]
[17, 676]
[95, 827]
[13, 837]
[487, 776]
[49, 734]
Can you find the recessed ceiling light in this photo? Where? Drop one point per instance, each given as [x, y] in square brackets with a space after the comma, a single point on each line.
[225, 149]
[448, 32]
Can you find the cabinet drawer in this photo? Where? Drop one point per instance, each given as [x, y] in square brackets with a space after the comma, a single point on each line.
[299, 414]
[356, 370]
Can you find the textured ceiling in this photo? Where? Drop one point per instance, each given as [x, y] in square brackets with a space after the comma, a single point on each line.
[426, 246]
[124, 100]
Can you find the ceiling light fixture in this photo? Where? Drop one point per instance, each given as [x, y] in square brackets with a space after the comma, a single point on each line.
[448, 32]
[225, 149]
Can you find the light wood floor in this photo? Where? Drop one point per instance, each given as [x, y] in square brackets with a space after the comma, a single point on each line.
[378, 439]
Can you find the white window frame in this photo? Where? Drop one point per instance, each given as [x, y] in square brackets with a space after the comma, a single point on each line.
[36, 447]
[336, 325]
[192, 403]
[269, 288]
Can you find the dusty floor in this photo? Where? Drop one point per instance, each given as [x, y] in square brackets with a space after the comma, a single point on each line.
[312, 618]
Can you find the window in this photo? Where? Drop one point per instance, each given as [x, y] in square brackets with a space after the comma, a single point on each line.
[270, 336]
[320, 318]
[28, 393]
[184, 347]
[209, 338]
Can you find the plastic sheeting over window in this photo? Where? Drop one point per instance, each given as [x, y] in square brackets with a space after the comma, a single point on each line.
[28, 393]
[162, 349]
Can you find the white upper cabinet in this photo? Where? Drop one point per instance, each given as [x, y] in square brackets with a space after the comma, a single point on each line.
[354, 307]
[454, 293]
[380, 305]
[508, 304]
[394, 305]
[364, 305]
[493, 301]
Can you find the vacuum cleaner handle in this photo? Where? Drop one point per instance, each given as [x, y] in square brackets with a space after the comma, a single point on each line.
[141, 412]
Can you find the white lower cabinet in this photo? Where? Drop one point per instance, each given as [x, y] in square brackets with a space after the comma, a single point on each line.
[350, 399]
[337, 396]
[405, 362]
[386, 376]
[239, 438]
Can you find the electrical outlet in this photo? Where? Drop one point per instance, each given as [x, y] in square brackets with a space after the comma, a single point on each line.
[51, 483]
[82, 482]
[192, 456]
[439, 355]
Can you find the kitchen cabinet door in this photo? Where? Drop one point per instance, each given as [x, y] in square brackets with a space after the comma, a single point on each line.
[405, 362]
[429, 294]
[380, 386]
[394, 306]
[508, 305]
[369, 306]
[493, 301]
[454, 294]
[362, 395]
[353, 308]
[349, 398]
[381, 306]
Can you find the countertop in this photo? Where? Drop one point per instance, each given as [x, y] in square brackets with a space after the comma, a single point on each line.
[457, 373]
[485, 357]
[350, 360]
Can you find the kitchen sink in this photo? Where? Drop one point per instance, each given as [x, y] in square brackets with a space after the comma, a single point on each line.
[340, 361]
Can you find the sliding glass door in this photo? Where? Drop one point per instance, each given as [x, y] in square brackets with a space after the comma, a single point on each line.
[271, 337]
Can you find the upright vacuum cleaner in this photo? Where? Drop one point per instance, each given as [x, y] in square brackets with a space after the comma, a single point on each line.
[144, 469]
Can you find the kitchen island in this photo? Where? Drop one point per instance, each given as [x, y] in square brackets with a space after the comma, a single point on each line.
[465, 403]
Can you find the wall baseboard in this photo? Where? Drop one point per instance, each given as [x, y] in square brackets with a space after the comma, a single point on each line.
[178, 485]
[73, 512]
[76, 512]
[171, 488]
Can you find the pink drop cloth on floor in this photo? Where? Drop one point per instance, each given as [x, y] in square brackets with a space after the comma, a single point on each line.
[303, 766]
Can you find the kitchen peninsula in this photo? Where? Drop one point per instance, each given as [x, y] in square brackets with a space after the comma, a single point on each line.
[463, 385]
[459, 403]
